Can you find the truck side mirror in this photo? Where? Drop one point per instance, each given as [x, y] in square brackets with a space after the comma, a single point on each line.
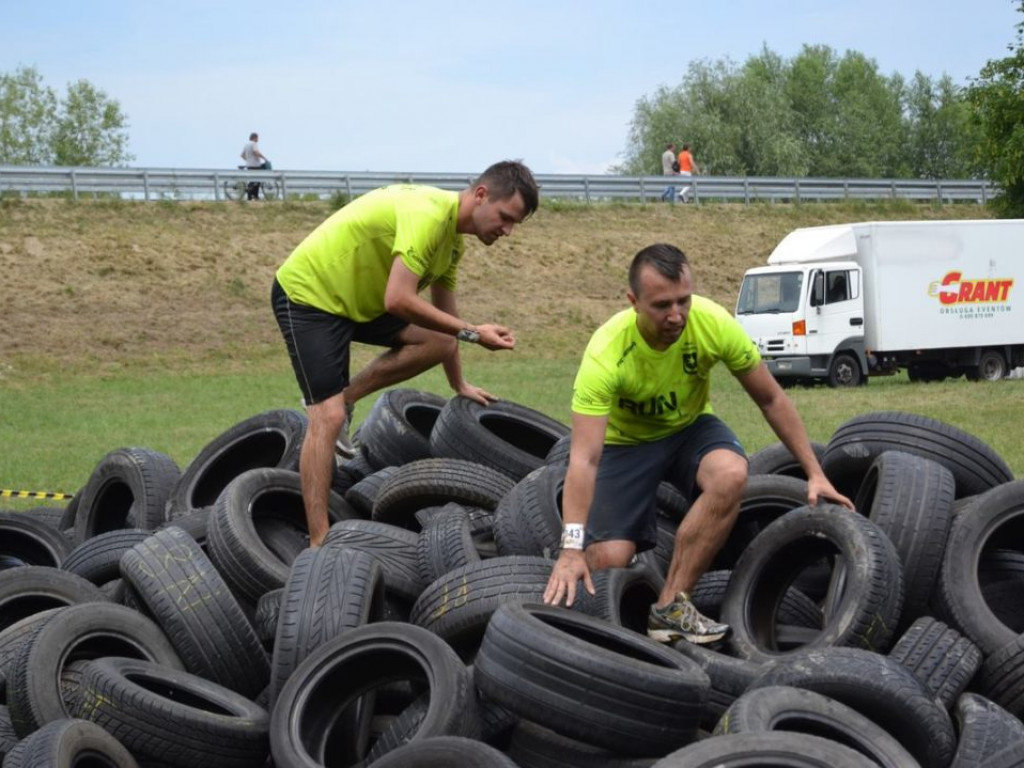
[817, 288]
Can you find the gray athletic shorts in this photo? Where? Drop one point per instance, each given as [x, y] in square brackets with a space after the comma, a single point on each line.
[318, 343]
[628, 478]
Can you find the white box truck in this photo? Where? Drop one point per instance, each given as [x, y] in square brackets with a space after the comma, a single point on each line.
[845, 302]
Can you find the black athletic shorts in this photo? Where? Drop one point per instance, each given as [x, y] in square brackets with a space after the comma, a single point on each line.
[628, 478]
[318, 343]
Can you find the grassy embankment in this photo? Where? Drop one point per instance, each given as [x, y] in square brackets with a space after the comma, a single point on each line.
[149, 325]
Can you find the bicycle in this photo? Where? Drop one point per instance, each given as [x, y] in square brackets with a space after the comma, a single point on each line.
[238, 189]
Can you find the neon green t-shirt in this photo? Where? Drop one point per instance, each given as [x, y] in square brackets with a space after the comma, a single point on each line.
[649, 394]
[342, 266]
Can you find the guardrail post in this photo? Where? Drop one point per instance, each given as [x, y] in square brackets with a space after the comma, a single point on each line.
[145, 186]
[696, 190]
[348, 187]
[984, 193]
[74, 185]
[284, 191]
[796, 190]
[938, 188]
[586, 189]
[216, 186]
[746, 190]
[892, 186]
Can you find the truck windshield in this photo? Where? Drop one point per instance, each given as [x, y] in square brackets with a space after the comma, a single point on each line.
[770, 293]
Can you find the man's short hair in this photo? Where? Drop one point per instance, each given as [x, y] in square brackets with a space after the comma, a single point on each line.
[667, 259]
[254, 136]
[506, 178]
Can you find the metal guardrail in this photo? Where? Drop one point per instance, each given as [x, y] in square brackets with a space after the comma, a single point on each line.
[188, 183]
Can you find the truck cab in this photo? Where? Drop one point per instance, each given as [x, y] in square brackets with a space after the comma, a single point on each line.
[807, 320]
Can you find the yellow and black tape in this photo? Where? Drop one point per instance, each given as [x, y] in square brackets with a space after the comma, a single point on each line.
[8, 494]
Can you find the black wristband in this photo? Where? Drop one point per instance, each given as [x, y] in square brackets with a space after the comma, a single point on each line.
[468, 334]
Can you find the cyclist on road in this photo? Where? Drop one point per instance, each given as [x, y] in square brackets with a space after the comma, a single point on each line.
[254, 161]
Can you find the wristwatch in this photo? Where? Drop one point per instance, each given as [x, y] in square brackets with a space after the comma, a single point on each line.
[468, 334]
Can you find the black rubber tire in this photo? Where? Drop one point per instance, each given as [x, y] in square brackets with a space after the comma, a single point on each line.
[77, 632]
[534, 746]
[590, 680]
[270, 439]
[991, 521]
[991, 367]
[783, 708]
[8, 738]
[863, 606]
[911, 499]
[98, 559]
[68, 743]
[558, 453]
[796, 609]
[765, 499]
[506, 436]
[397, 429]
[314, 710]
[444, 752]
[129, 488]
[363, 492]
[434, 482]
[52, 516]
[192, 603]
[393, 547]
[729, 677]
[169, 716]
[24, 541]
[445, 543]
[780, 749]
[458, 606]
[879, 688]
[856, 443]
[940, 657]
[255, 507]
[984, 728]
[27, 590]
[330, 590]
[622, 596]
[1001, 678]
[528, 520]
[776, 459]
[11, 641]
[265, 620]
[844, 371]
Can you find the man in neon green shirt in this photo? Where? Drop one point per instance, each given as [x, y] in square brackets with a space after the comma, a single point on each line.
[642, 414]
[358, 276]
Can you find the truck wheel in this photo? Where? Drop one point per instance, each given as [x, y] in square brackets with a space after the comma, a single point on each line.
[844, 371]
[991, 367]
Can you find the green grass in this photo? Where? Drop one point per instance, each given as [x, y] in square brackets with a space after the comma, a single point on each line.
[55, 432]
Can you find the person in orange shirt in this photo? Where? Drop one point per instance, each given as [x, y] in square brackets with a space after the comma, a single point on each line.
[687, 167]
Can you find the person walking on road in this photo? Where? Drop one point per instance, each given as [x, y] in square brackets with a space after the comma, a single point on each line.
[358, 276]
[687, 167]
[669, 167]
[641, 414]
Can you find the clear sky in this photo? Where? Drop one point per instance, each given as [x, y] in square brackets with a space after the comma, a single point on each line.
[396, 85]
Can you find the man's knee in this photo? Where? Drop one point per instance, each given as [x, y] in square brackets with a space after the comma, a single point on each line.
[328, 415]
[610, 554]
[723, 473]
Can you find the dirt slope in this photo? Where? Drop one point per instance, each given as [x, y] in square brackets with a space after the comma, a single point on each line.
[98, 285]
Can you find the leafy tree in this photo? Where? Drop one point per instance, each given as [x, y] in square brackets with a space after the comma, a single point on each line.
[997, 99]
[90, 128]
[86, 127]
[817, 114]
[27, 116]
[941, 137]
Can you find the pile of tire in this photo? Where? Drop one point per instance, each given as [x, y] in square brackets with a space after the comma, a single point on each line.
[173, 617]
